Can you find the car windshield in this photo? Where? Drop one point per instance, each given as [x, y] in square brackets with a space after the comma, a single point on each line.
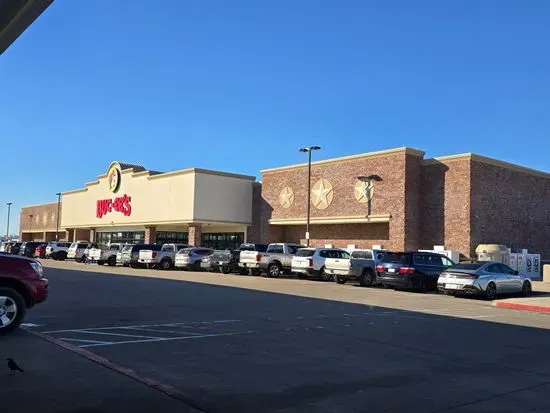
[396, 258]
[469, 266]
[184, 251]
[305, 253]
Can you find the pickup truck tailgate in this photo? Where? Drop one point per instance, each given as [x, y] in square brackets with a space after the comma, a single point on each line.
[249, 257]
[95, 254]
[146, 255]
[337, 264]
[301, 262]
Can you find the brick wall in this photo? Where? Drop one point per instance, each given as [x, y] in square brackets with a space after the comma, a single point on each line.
[44, 217]
[412, 212]
[389, 194]
[510, 207]
[445, 205]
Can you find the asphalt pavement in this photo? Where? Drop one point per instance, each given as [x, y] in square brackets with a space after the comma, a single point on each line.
[250, 344]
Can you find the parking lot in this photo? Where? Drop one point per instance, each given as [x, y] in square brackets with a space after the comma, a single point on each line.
[240, 343]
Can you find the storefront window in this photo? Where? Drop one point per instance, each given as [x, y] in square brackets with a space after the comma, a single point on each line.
[222, 241]
[164, 237]
[121, 237]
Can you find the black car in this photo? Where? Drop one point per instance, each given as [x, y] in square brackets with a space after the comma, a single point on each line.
[15, 248]
[27, 248]
[412, 270]
[226, 261]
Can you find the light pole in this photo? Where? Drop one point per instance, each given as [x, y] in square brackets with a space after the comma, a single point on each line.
[368, 180]
[8, 226]
[308, 149]
[58, 207]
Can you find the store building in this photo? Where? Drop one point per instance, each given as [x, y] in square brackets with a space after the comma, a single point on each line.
[394, 198]
[134, 205]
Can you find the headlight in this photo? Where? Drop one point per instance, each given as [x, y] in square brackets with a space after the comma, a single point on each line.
[37, 267]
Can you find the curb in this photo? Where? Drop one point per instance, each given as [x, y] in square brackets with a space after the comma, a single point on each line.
[519, 306]
[163, 388]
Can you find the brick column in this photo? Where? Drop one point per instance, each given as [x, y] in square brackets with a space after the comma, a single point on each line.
[195, 232]
[150, 235]
[92, 234]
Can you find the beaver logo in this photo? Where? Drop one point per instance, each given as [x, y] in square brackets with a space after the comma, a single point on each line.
[113, 178]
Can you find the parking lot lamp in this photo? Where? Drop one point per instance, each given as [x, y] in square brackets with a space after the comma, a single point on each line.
[58, 208]
[368, 180]
[9, 204]
[308, 149]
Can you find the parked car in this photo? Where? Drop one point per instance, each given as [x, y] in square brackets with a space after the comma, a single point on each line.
[79, 250]
[27, 248]
[22, 285]
[226, 261]
[105, 253]
[57, 250]
[415, 270]
[249, 257]
[311, 261]
[129, 256]
[483, 278]
[15, 247]
[40, 251]
[207, 264]
[359, 265]
[278, 258]
[163, 259]
[190, 258]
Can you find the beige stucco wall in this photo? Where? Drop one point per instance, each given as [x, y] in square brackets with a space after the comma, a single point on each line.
[223, 199]
[167, 200]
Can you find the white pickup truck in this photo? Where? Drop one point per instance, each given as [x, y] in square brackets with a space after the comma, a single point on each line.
[276, 260]
[162, 258]
[105, 253]
[359, 265]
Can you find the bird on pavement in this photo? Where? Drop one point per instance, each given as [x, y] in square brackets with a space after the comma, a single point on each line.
[12, 365]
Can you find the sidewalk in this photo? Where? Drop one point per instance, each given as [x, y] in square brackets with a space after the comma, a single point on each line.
[539, 302]
[58, 380]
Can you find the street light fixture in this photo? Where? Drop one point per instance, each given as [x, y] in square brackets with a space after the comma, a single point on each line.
[308, 149]
[9, 204]
[58, 207]
[369, 179]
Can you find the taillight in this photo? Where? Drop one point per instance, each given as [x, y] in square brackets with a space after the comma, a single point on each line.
[380, 268]
[258, 257]
[406, 270]
[310, 262]
[154, 254]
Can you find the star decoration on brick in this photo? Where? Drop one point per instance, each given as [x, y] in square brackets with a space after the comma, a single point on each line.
[364, 191]
[286, 197]
[322, 194]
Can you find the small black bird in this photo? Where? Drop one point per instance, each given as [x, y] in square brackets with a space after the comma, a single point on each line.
[12, 365]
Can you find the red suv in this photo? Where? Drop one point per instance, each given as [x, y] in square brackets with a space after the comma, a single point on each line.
[21, 287]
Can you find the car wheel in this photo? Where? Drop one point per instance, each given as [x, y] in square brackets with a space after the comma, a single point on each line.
[226, 269]
[111, 261]
[166, 264]
[323, 275]
[491, 291]
[61, 256]
[526, 289]
[274, 270]
[366, 279]
[339, 280]
[12, 310]
[100, 262]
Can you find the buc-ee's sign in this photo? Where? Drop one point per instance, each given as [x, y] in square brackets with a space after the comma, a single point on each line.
[121, 204]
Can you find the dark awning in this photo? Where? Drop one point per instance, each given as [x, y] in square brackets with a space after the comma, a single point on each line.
[16, 16]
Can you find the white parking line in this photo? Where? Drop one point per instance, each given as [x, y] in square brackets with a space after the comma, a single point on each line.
[159, 331]
[85, 341]
[167, 339]
[110, 334]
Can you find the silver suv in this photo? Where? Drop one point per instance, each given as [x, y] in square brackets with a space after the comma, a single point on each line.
[57, 250]
[190, 258]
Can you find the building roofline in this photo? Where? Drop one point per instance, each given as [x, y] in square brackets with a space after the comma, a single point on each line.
[39, 205]
[489, 161]
[377, 154]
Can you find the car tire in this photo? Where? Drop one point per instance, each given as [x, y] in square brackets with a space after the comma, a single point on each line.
[491, 291]
[61, 256]
[165, 264]
[526, 289]
[111, 261]
[226, 269]
[12, 300]
[324, 276]
[339, 280]
[274, 270]
[366, 279]
[100, 262]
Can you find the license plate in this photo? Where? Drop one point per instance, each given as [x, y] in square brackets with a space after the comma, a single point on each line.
[392, 270]
[452, 286]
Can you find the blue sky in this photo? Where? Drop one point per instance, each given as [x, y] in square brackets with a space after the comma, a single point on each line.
[241, 85]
